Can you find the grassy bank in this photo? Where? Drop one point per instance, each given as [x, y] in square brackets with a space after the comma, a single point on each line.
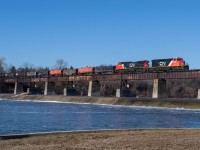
[170, 103]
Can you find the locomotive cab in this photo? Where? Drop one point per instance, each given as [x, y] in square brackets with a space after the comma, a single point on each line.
[179, 62]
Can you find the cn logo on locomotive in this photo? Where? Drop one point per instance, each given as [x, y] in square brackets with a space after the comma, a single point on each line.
[162, 63]
[131, 65]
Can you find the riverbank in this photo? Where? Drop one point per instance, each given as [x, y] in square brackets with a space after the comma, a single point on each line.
[173, 139]
[170, 103]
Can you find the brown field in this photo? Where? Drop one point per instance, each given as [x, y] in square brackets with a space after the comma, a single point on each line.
[155, 139]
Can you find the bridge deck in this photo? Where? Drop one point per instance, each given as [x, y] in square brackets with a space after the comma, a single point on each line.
[111, 77]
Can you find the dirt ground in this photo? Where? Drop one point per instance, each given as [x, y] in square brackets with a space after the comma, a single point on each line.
[155, 139]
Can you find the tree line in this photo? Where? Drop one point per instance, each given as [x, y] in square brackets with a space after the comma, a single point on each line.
[26, 67]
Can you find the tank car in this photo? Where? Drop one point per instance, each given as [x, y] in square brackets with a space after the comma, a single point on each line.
[86, 70]
[56, 72]
[137, 66]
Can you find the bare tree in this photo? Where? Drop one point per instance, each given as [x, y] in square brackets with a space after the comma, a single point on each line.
[60, 64]
[27, 66]
[9, 68]
[12, 69]
[2, 63]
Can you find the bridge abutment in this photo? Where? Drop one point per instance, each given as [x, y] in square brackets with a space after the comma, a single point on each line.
[94, 88]
[159, 88]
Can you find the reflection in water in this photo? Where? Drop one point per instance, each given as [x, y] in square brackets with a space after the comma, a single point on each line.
[25, 117]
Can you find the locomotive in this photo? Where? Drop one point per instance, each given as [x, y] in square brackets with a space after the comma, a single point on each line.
[129, 67]
[169, 64]
[157, 65]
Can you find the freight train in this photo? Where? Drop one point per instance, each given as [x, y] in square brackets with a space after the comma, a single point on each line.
[157, 65]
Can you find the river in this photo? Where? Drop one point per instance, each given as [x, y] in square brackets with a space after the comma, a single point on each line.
[18, 117]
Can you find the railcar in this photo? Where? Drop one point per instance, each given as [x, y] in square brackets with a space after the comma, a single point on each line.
[8, 75]
[56, 72]
[104, 69]
[32, 74]
[43, 73]
[170, 64]
[20, 74]
[129, 67]
[69, 72]
[86, 71]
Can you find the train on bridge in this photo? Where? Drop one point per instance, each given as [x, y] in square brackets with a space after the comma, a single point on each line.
[157, 65]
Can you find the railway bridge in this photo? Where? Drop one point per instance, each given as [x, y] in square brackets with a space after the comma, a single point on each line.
[159, 81]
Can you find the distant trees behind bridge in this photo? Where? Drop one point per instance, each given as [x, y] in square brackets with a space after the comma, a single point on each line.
[9, 68]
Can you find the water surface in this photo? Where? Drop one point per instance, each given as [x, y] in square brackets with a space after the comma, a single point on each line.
[17, 117]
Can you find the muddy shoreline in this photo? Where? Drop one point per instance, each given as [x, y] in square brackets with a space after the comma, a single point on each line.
[169, 103]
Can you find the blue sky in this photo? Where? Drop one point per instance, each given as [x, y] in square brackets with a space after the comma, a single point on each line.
[95, 32]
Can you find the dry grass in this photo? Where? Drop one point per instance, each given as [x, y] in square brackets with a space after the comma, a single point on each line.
[166, 139]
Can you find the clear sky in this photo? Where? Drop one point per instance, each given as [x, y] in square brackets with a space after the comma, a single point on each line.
[95, 32]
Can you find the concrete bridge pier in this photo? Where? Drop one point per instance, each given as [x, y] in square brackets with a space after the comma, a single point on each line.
[28, 90]
[198, 95]
[124, 90]
[118, 93]
[49, 88]
[159, 88]
[69, 88]
[46, 88]
[18, 88]
[94, 88]
[65, 92]
[15, 88]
